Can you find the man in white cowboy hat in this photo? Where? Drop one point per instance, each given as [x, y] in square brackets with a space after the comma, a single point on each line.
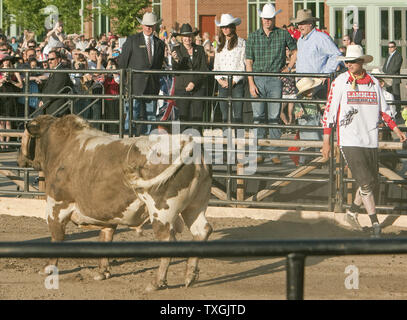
[355, 106]
[144, 51]
[266, 52]
[317, 53]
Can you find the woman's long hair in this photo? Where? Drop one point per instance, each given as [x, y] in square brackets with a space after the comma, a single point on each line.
[233, 39]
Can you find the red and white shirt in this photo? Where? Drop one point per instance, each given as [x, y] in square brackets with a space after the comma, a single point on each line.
[356, 113]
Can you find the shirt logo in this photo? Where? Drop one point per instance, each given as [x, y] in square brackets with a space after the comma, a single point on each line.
[362, 97]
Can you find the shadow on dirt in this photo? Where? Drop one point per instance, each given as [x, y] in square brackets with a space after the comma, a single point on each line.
[230, 229]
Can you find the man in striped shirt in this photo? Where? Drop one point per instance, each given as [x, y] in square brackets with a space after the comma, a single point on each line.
[356, 105]
[266, 52]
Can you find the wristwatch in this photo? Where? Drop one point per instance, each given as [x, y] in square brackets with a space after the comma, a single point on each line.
[289, 68]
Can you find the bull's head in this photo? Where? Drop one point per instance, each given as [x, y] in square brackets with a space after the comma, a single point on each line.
[30, 151]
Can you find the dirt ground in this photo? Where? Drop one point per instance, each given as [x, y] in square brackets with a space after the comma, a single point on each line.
[380, 276]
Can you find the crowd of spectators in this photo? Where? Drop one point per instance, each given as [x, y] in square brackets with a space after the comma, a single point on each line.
[59, 50]
[304, 49]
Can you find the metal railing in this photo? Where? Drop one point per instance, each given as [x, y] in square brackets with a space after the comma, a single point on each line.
[334, 192]
[295, 252]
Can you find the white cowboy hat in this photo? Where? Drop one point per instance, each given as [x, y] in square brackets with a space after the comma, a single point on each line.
[227, 19]
[268, 12]
[387, 82]
[355, 52]
[149, 19]
[303, 15]
[305, 84]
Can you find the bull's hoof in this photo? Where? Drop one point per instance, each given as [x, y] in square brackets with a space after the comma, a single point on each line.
[102, 276]
[153, 286]
[48, 270]
[191, 278]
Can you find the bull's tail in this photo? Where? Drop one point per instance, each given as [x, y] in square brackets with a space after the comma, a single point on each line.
[164, 176]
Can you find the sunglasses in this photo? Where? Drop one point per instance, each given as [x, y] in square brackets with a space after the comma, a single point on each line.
[51, 59]
[391, 46]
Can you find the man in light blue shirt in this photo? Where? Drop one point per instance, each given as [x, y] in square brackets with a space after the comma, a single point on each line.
[316, 52]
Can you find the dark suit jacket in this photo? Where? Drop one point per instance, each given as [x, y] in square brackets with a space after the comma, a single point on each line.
[198, 63]
[54, 84]
[357, 39]
[394, 68]
[134, 55]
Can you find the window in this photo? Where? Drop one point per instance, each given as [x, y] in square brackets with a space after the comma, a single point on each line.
[397, 25]
[156, 4]
[384, 22]
[316, 6]
[101, 23]
[338, 24]
[253, 21]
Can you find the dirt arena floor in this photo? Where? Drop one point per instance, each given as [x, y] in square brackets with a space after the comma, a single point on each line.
[380, 276]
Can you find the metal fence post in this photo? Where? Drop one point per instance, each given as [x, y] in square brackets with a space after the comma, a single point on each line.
[295, 276]
[130, 91]
[229, 139]
[121, 105]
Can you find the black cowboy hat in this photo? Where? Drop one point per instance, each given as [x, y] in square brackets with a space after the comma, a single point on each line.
[186, 30]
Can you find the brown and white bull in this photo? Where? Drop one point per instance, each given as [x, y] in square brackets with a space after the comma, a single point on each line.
[98, 180]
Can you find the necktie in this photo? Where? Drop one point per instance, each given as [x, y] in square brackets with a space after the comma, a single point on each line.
[149, 50]
[388, 61]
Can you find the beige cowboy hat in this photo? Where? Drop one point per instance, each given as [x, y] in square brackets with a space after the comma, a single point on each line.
[149, 19]
[355, 52]
[387, 82]
[305, 84]
[226, 20]
[303, 15]
[268, 12]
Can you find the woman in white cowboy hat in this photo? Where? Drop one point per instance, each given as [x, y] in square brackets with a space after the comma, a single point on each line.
[189, 57]
[355, 106]
[230, 56]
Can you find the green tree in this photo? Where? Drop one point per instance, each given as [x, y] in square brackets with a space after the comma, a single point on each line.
[26, 13]
[32, 14]
[123, 14]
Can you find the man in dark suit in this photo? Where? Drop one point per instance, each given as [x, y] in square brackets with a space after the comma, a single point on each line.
[356, 35]
[144, 51]
[392, 65]
[54, 84]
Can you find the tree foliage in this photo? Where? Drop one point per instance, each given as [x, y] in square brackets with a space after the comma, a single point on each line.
[123, 14]
[32, 14]
[25, 13]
